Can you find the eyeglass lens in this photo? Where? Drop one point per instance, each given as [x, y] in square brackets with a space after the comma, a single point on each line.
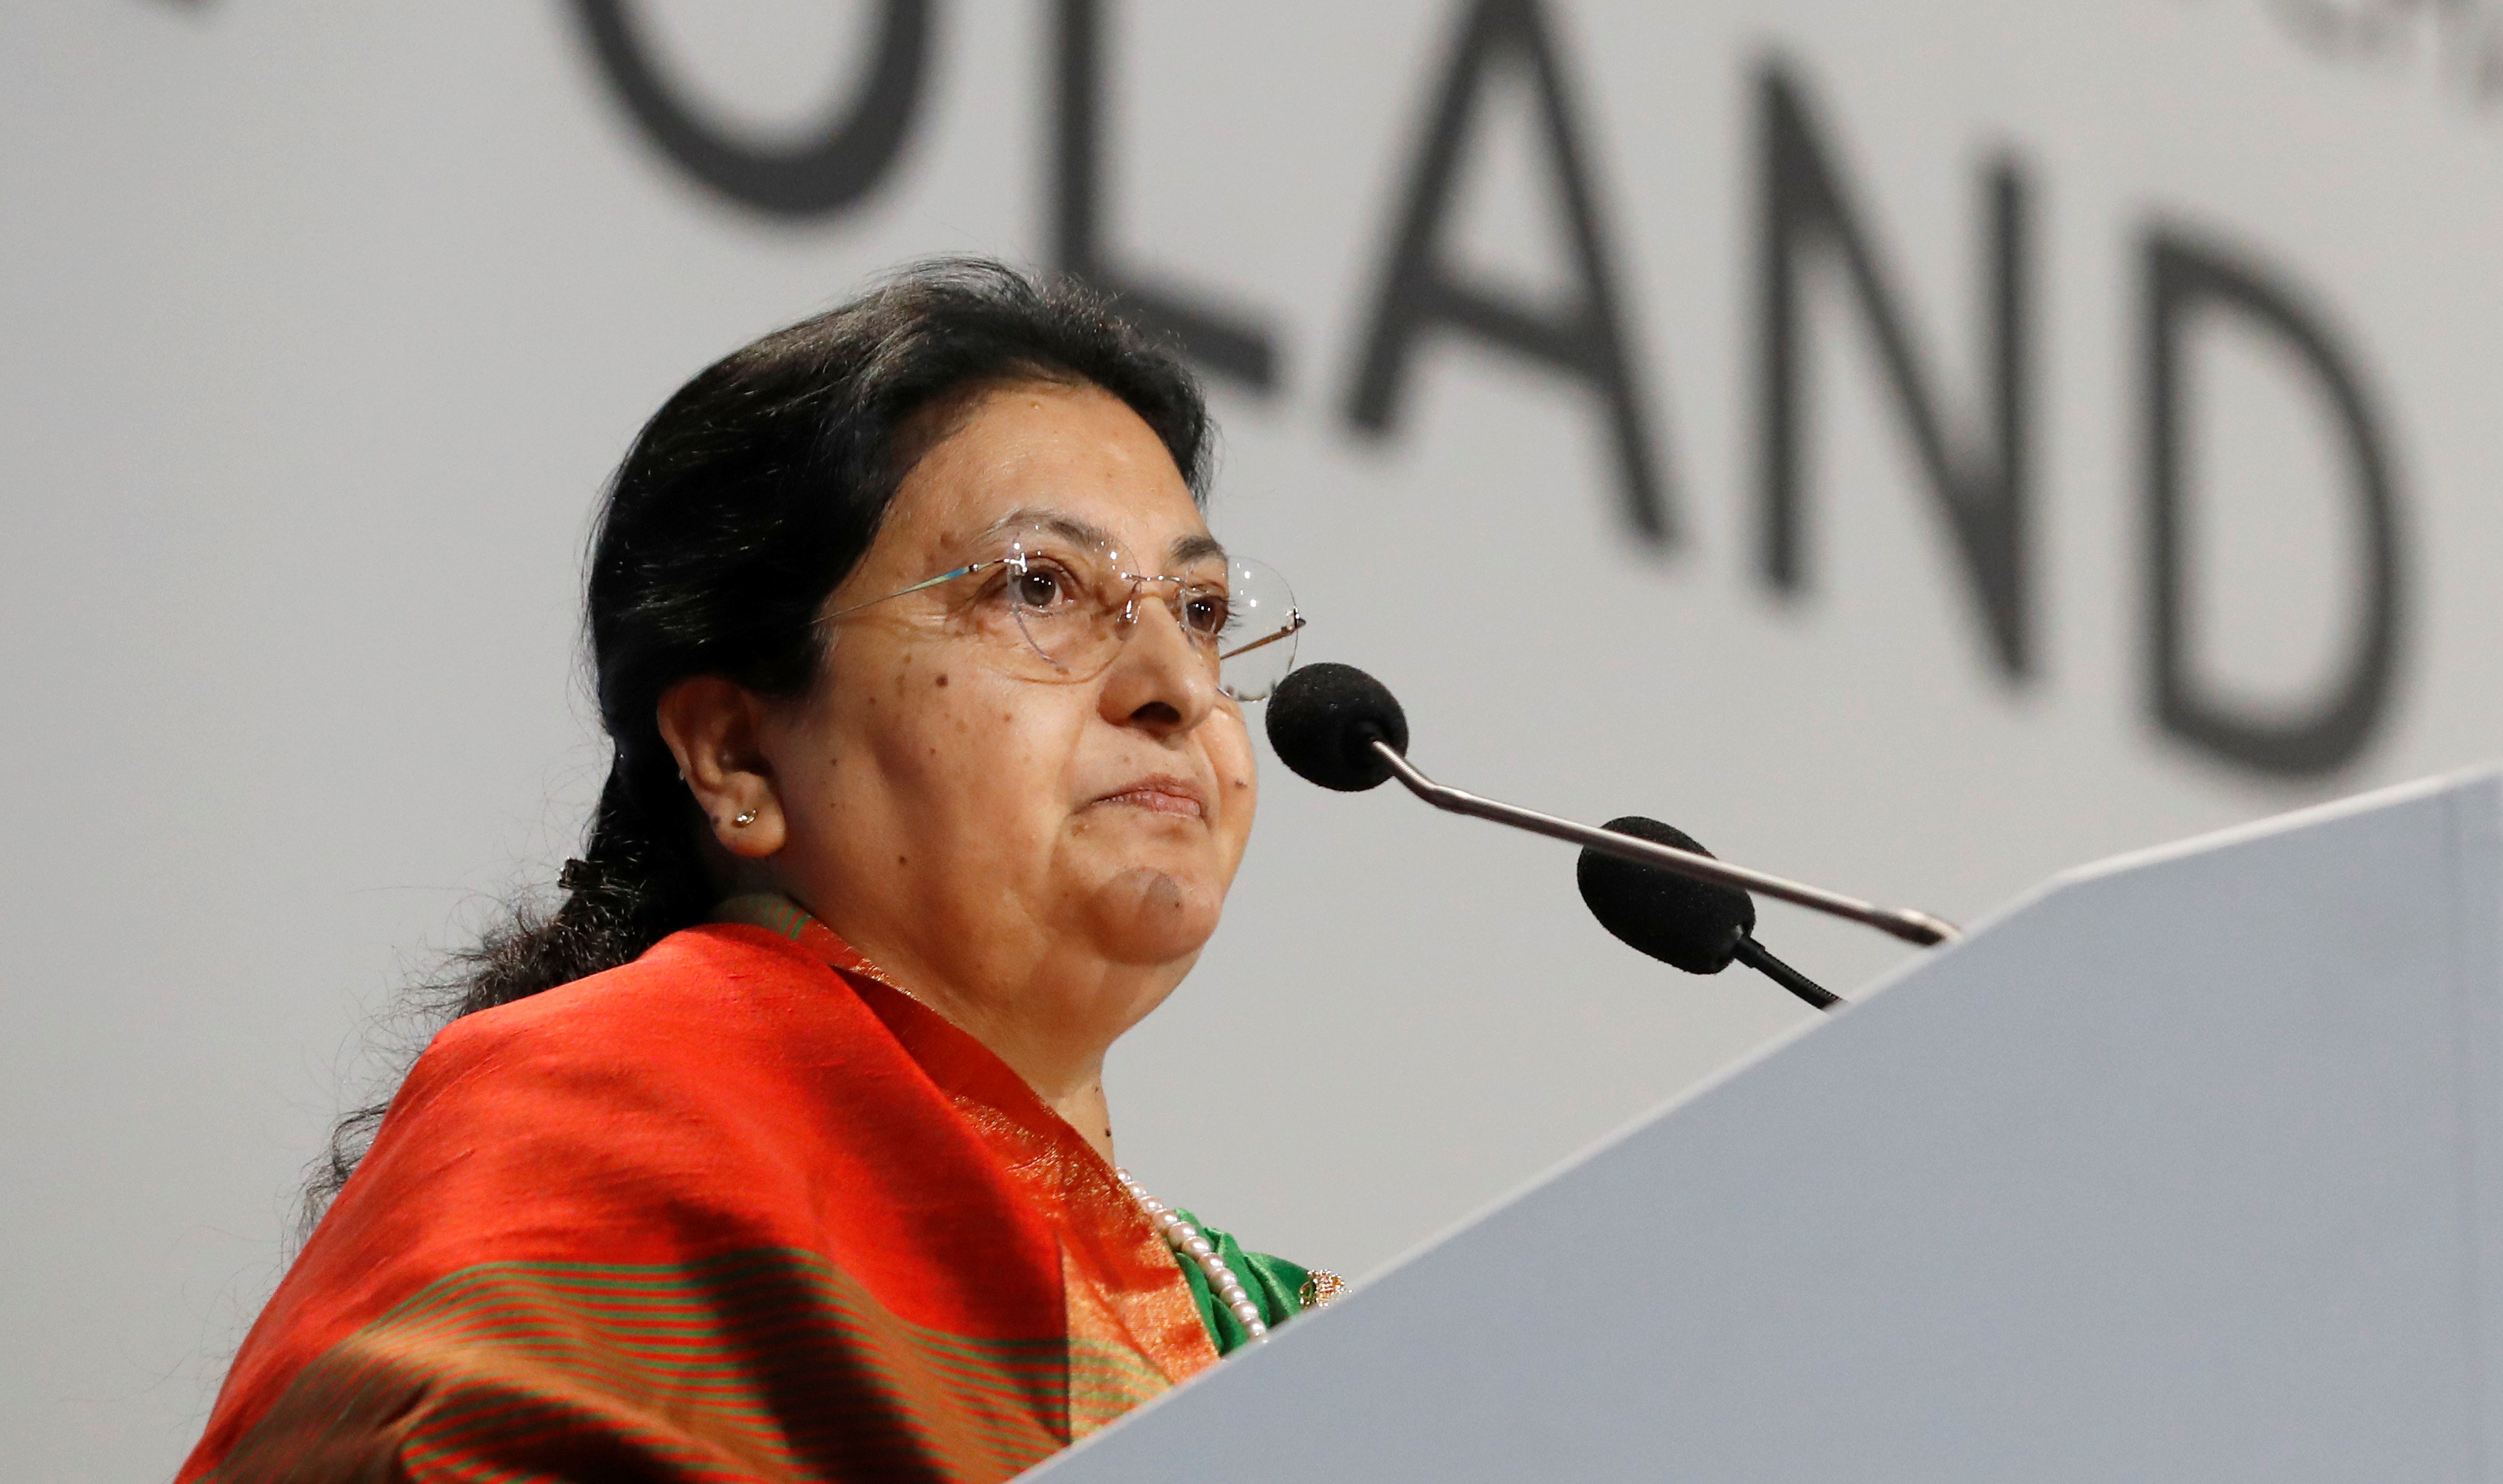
[1074, 603]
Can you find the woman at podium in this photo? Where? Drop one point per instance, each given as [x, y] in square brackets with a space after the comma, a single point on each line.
[778, 1150]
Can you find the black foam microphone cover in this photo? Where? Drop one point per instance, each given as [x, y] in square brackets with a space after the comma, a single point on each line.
[1693, 924]
[1323, 720]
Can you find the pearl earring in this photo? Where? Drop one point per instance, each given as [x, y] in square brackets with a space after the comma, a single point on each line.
[745, 818]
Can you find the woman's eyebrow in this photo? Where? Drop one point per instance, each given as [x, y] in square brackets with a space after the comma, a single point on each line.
[1058, 522]
[1190, 548]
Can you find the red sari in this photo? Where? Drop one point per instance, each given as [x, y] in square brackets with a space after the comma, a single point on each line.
[739, 1210]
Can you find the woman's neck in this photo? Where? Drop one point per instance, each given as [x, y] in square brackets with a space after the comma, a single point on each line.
[1050, 1021]
[1085, 1110]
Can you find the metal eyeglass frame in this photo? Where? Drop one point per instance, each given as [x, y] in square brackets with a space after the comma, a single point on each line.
[1128, 608]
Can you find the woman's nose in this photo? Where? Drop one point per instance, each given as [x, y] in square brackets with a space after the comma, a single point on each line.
[1161, 678]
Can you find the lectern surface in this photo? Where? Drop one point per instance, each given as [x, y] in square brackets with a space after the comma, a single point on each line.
[2184, 1168]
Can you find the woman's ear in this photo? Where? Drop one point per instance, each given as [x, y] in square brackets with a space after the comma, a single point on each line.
[714, 728]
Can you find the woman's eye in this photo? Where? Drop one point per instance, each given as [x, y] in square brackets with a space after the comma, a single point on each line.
[1205, 613]
[1035, 588]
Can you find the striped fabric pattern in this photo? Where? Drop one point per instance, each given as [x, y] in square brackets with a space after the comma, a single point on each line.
[523, 1363]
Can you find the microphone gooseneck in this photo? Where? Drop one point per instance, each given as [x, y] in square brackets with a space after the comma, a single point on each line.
[1325, 718]
[1753, 955]
[1691, 925]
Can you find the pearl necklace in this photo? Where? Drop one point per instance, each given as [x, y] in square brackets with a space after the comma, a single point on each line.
[1189, 1242]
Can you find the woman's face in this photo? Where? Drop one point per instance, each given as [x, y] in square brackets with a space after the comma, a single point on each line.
[951, 810]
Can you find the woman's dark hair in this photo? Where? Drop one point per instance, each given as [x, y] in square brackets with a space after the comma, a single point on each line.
[748, 498]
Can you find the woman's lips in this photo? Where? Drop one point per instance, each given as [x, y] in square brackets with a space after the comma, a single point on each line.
[1162, 795]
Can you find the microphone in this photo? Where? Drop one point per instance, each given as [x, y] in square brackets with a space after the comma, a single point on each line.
[1342, 728]
[1691, 925]
[1323, 720]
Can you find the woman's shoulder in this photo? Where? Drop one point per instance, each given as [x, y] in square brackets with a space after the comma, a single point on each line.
[715, 983]
[642, 1120]
[694, 1058]
[713, 1027]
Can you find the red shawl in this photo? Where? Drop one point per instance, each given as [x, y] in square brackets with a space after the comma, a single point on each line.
[736, 1212]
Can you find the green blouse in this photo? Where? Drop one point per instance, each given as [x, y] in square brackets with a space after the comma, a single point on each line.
[1282, 1288]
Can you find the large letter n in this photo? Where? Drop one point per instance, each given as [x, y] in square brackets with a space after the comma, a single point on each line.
[1983, 491]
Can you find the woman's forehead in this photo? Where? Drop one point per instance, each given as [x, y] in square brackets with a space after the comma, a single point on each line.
[1075, 461]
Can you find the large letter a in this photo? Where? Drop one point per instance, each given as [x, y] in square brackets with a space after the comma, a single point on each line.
[1419, 290]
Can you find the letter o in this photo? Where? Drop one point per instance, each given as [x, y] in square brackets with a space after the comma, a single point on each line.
[816, 176]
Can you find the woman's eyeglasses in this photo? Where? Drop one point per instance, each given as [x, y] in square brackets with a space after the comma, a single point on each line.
[1055, 605]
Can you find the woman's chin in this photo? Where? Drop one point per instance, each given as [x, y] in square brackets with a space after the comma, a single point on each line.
[1148, 915]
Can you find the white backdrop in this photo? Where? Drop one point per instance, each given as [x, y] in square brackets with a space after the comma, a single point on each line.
[322, 324]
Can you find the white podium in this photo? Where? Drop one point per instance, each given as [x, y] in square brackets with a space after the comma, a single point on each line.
[2189, 1167]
